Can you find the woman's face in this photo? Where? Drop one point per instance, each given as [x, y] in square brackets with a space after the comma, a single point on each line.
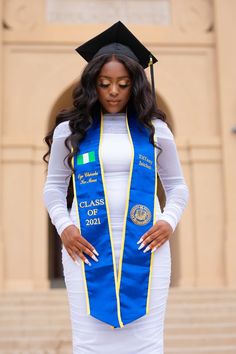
[113, 87]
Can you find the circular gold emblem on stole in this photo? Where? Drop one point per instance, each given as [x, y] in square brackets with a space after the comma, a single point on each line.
[140, 214]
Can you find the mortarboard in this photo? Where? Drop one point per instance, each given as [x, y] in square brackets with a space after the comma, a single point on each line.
[118, 39]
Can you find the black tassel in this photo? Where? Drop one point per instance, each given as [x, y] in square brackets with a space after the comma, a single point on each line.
[150, 64]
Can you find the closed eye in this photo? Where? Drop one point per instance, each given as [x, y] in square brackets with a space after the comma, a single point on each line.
[107, 85]
[103, 85]
[124, 86]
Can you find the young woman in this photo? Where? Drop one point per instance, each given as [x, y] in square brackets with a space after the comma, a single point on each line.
[115, 239]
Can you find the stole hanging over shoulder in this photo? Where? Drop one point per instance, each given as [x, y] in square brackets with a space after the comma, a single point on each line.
[116, 300]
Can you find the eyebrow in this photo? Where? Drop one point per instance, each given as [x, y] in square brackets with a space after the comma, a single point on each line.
[120, 77]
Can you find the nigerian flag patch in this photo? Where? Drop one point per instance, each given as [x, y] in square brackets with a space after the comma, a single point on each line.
[86, 158]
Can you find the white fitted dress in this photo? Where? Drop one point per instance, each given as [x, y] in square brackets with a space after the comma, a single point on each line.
[145, 335]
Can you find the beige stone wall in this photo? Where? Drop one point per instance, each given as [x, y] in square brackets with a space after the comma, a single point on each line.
[226, 74]
[193, 71]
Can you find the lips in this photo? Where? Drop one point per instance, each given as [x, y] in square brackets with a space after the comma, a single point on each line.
[113, 101]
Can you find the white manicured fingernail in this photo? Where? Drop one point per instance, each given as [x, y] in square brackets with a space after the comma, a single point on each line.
[146, 249]
[94, 258]
[154, 249]
[139, 241]
[76, 262]
[95, 252]
[141, 246]
[87, 261]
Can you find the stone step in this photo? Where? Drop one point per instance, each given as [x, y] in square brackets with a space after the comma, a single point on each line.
[172, 312]
[63, 350]
[226, 349]
[27, 331]
[187, 323]
[173, 306]
[172, 341]
[58, 317]
[200, 328]
[176, 345]
[35, 343]
[60, 320]
[197, 321]
[202, 350]
[40, 330]
[198, 340]
[202, 290]
[61, 300]
[204, 320]
[172, 291]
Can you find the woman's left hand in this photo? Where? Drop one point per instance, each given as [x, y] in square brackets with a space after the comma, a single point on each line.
[159, 233]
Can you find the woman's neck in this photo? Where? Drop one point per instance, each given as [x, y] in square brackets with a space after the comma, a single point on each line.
[115, 114]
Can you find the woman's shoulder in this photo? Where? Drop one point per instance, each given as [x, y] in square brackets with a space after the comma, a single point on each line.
[62, 130]
[161, 129]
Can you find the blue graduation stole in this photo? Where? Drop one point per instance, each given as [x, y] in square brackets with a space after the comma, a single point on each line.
[114, 300]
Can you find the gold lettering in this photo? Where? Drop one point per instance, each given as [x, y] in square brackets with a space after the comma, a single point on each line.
[91, 174]
[91, 203]
[144, 165]
[144, 158]
[83, 204]
[92, 180]
[87, 177]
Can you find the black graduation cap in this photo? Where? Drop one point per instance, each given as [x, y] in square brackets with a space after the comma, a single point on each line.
[118, 39]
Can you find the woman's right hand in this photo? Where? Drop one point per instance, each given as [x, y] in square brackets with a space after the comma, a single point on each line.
[76, 244]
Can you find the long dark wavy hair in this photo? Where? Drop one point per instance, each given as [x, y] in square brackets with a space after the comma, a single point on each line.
[86, 103]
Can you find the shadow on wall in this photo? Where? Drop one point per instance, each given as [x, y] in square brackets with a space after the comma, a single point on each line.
[55, 270]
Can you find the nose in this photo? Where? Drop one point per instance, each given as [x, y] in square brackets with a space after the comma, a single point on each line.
[114, 90]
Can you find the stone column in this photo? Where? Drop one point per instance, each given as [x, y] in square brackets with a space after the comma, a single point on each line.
[226, 58]
[208, 204]
[187, 254]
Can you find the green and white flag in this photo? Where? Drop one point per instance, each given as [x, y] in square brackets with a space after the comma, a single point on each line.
[86, 158]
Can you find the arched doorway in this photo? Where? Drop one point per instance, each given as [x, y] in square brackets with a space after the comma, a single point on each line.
[55, 270]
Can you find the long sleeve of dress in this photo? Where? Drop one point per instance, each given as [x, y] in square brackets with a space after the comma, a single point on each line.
[171, 176]
[57, 181]
[168, 166]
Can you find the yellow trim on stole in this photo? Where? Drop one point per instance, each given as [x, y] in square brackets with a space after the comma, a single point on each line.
[82, 262]
[126, 205]
[109, 224]
[154, 221]
[117, 282]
